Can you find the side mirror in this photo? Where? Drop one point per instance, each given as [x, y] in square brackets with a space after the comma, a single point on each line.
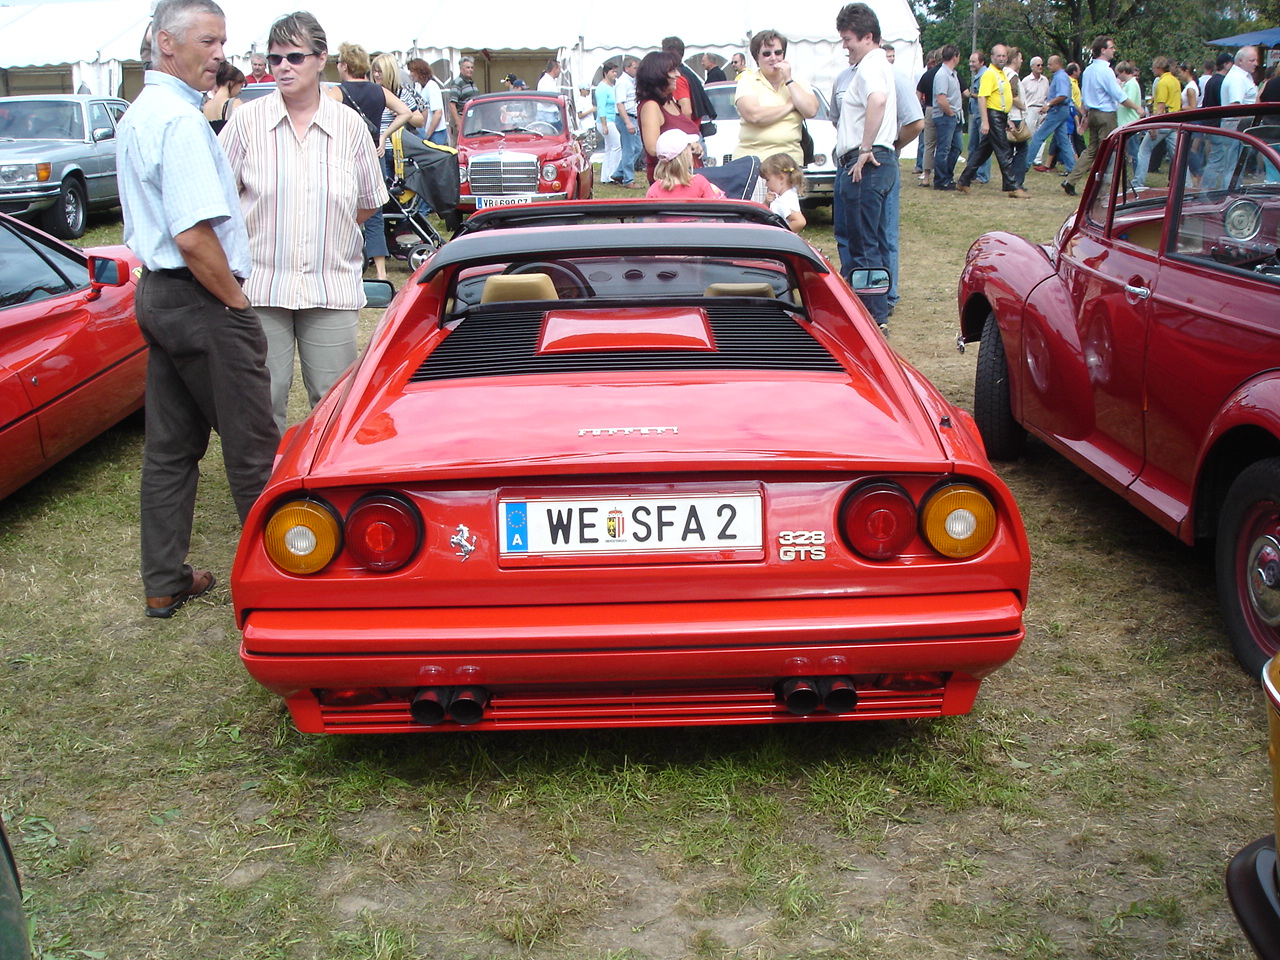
[378, 293]
[106, 272]
[872, 282]
[102, 133]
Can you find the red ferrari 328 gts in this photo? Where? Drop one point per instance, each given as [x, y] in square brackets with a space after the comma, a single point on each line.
[622, 464]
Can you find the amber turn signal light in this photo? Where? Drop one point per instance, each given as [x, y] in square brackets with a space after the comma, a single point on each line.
[958, 520]
[302, 536]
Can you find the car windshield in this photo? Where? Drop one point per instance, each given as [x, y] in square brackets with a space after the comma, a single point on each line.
[513, 116]
[41, 120]
[631, 279]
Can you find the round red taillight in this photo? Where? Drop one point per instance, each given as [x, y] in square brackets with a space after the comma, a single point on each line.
[383, 531]
[879, 520]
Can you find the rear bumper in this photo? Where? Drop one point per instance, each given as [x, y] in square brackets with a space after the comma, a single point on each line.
[634, 664]
[1252, 889]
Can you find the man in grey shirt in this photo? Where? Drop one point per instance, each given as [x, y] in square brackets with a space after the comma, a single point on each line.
[947, 97]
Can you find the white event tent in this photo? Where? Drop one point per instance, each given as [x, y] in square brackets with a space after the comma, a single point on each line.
[90, 45]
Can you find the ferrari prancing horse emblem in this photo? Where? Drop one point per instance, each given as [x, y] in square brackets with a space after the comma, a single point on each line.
[464, 540]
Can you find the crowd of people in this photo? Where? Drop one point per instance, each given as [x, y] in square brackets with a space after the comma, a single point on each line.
[1040, 120]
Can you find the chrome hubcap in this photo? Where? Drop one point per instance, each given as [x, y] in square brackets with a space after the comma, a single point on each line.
[1263, 572]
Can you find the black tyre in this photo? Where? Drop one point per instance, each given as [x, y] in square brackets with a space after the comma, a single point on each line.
[1003, 436]
[66, 218]
[1248, 564]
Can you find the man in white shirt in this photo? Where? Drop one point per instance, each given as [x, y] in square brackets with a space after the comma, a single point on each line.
[549, 82]
[865, 137]
[1035, 93]
[628, 122]
[1238, 85]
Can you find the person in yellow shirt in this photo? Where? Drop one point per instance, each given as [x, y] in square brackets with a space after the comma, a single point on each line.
[1166, 98]
[995, 99]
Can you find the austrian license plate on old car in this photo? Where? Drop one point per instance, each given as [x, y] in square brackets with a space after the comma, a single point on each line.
[630, 528]
[485, 202]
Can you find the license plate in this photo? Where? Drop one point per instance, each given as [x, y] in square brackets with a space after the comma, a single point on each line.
[484, 202]
[695, 528]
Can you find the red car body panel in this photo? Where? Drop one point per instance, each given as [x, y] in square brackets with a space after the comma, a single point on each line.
[1137, 389]
[703, 632]
[71, 365]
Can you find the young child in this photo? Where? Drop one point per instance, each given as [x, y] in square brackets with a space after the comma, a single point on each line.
[785, 180]
[673, 177]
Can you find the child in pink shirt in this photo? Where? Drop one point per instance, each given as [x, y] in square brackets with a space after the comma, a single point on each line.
[673, 176]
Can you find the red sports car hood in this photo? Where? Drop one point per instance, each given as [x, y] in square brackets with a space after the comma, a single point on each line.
[521, 426]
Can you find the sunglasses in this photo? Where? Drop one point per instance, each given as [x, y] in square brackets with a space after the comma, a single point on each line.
[275, 59]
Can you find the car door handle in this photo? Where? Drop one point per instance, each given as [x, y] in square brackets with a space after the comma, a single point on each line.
[1142, 293]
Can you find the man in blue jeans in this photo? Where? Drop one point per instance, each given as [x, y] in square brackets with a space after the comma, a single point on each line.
[1057, 117]
[977, 67]
[868, 163]
[947, 97]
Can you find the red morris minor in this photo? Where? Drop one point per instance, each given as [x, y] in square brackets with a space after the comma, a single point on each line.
[1143, 344]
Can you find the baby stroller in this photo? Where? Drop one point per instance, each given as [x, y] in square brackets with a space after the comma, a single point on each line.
[425, 179]
[737, 178]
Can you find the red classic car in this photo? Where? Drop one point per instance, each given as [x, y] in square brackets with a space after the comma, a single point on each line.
[1144, 343]
[517, 148]
[72, 361]
[628, 464]
[1253, 883]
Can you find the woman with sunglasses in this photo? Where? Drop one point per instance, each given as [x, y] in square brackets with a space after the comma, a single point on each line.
[772, 104]
[308, 177]
[656, 79]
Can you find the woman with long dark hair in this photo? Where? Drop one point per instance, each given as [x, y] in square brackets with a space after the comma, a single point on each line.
[655, 92]
[223, 100]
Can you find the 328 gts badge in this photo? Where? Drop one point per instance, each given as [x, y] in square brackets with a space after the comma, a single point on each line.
[802, 545]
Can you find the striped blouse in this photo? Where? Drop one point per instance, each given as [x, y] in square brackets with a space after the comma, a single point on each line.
[299, 196]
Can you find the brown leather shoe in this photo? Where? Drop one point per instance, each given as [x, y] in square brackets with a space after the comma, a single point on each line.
[202, 581]
[1020, 194]
[962, 188]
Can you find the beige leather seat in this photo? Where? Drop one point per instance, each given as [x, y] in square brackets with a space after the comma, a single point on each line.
[518, 286]
[739, 290]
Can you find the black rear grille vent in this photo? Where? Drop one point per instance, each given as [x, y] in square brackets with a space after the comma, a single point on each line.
[749, 335]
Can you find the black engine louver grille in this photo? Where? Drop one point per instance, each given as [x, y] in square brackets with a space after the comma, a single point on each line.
[503, 343]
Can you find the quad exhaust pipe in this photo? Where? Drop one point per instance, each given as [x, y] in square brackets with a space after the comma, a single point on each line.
[462, 705]
[804, 695]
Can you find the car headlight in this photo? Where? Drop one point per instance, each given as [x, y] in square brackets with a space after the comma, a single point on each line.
[462, 173]
[25, 172]
[302, 536]
[550, 171]
[819, 160]
[958, 520]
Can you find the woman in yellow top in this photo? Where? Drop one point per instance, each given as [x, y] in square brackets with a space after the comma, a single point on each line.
[771, 103]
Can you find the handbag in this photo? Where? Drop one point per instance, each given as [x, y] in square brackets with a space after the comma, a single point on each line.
[1018, 131]
[707, 128]
[806, 144]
